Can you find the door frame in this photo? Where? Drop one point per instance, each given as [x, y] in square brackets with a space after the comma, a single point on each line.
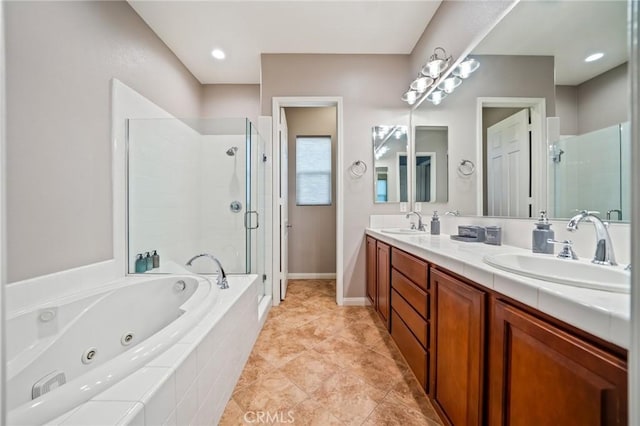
[307, 102]
[538, 146]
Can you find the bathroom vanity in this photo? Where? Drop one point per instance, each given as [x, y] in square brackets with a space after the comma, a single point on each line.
[482, 343]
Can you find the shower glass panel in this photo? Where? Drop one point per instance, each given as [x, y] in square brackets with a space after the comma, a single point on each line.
[591, 172]
[196, 186]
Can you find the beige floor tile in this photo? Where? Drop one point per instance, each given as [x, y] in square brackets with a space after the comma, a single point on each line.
[311, 413]
[309, 371]
[348, 397]
[388, 413]
[316, 363]
[272, 393]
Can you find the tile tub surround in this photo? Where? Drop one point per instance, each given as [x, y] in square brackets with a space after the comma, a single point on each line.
[192, 381]
[603, 314]
[316, 363]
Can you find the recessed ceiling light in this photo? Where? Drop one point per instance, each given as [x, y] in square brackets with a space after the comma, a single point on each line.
[218, 54]
[594, 57]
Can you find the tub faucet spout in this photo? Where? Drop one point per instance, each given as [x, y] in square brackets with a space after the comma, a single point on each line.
[604, 248]
[222, 277]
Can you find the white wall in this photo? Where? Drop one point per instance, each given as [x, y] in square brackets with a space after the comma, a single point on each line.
[61, 57]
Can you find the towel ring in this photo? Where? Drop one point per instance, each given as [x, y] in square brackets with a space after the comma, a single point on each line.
[358, 168]
[466, 167]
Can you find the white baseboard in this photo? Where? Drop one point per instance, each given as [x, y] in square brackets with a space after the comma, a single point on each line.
[356, 301]
[312, 276]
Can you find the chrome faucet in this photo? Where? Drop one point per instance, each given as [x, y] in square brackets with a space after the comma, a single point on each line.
[604, 249]
[222, 277]
[420, 224]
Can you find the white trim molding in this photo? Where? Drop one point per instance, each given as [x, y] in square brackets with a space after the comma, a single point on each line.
[312, 276]
[356, 301]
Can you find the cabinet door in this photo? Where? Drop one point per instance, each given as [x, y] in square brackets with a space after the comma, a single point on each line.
[541, 375]
[371, 270]
[384, 278]
[459, 326]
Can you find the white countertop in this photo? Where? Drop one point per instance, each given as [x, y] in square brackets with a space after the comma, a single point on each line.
[601, 313]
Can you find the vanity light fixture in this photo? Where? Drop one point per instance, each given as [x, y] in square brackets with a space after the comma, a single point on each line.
[594, 57]
[436, 97]
[449, 84]
[437, 64]
[410, 97]
[421, 83]
[218, 54]
[466, 68]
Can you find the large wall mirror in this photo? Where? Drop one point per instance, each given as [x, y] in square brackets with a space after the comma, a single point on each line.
[390, 161]
[546, 128]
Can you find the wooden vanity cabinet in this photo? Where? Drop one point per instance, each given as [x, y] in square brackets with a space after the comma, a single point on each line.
[372, 270]
[542, 375]
[410, 312]
[459, 349]
[378, 277]
[383, 275]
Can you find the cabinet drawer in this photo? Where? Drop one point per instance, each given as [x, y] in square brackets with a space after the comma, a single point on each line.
[414, 268]
[417, 325]
[411, 349]
[416, 297]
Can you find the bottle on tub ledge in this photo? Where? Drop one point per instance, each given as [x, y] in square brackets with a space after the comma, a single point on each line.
[149, 261]
[141, 264]
[156, 259]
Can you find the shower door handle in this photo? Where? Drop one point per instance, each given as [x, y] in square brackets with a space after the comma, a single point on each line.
[247, 221]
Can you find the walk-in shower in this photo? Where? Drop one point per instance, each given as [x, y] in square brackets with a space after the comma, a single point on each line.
[180, 187]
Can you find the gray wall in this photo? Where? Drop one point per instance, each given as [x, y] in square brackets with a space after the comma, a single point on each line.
[604, 100]
[61, 57]
[567, 109]
[436, 139]
[594, 104]
[312, 238]
[231, 100]
[371, 86]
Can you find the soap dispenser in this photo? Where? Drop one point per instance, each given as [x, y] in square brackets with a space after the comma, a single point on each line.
[141, 264]
[541, 234]
[435, 224]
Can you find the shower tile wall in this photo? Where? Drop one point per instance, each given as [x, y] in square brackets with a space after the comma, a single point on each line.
[588, 174]
[181, 184]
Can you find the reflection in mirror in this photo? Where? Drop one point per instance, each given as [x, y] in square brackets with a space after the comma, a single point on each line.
[390, 164]
[522, 59]
[431, 158]
[592, 161]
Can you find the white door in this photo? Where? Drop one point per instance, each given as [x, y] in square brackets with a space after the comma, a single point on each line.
[509, 167]
[283, 136]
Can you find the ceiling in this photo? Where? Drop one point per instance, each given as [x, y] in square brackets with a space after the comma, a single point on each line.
[245, 29]
[568, 30]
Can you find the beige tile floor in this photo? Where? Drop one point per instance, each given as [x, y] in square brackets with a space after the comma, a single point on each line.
[315, 363]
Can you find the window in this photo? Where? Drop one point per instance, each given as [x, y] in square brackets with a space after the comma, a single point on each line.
[313, 171]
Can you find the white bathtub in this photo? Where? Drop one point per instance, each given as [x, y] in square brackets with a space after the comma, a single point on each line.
[55, 339]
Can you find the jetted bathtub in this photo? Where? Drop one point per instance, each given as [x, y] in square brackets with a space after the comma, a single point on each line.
[62, 354]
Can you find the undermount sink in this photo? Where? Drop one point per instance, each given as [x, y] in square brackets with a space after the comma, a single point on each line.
[403, 231]
[578, 273]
